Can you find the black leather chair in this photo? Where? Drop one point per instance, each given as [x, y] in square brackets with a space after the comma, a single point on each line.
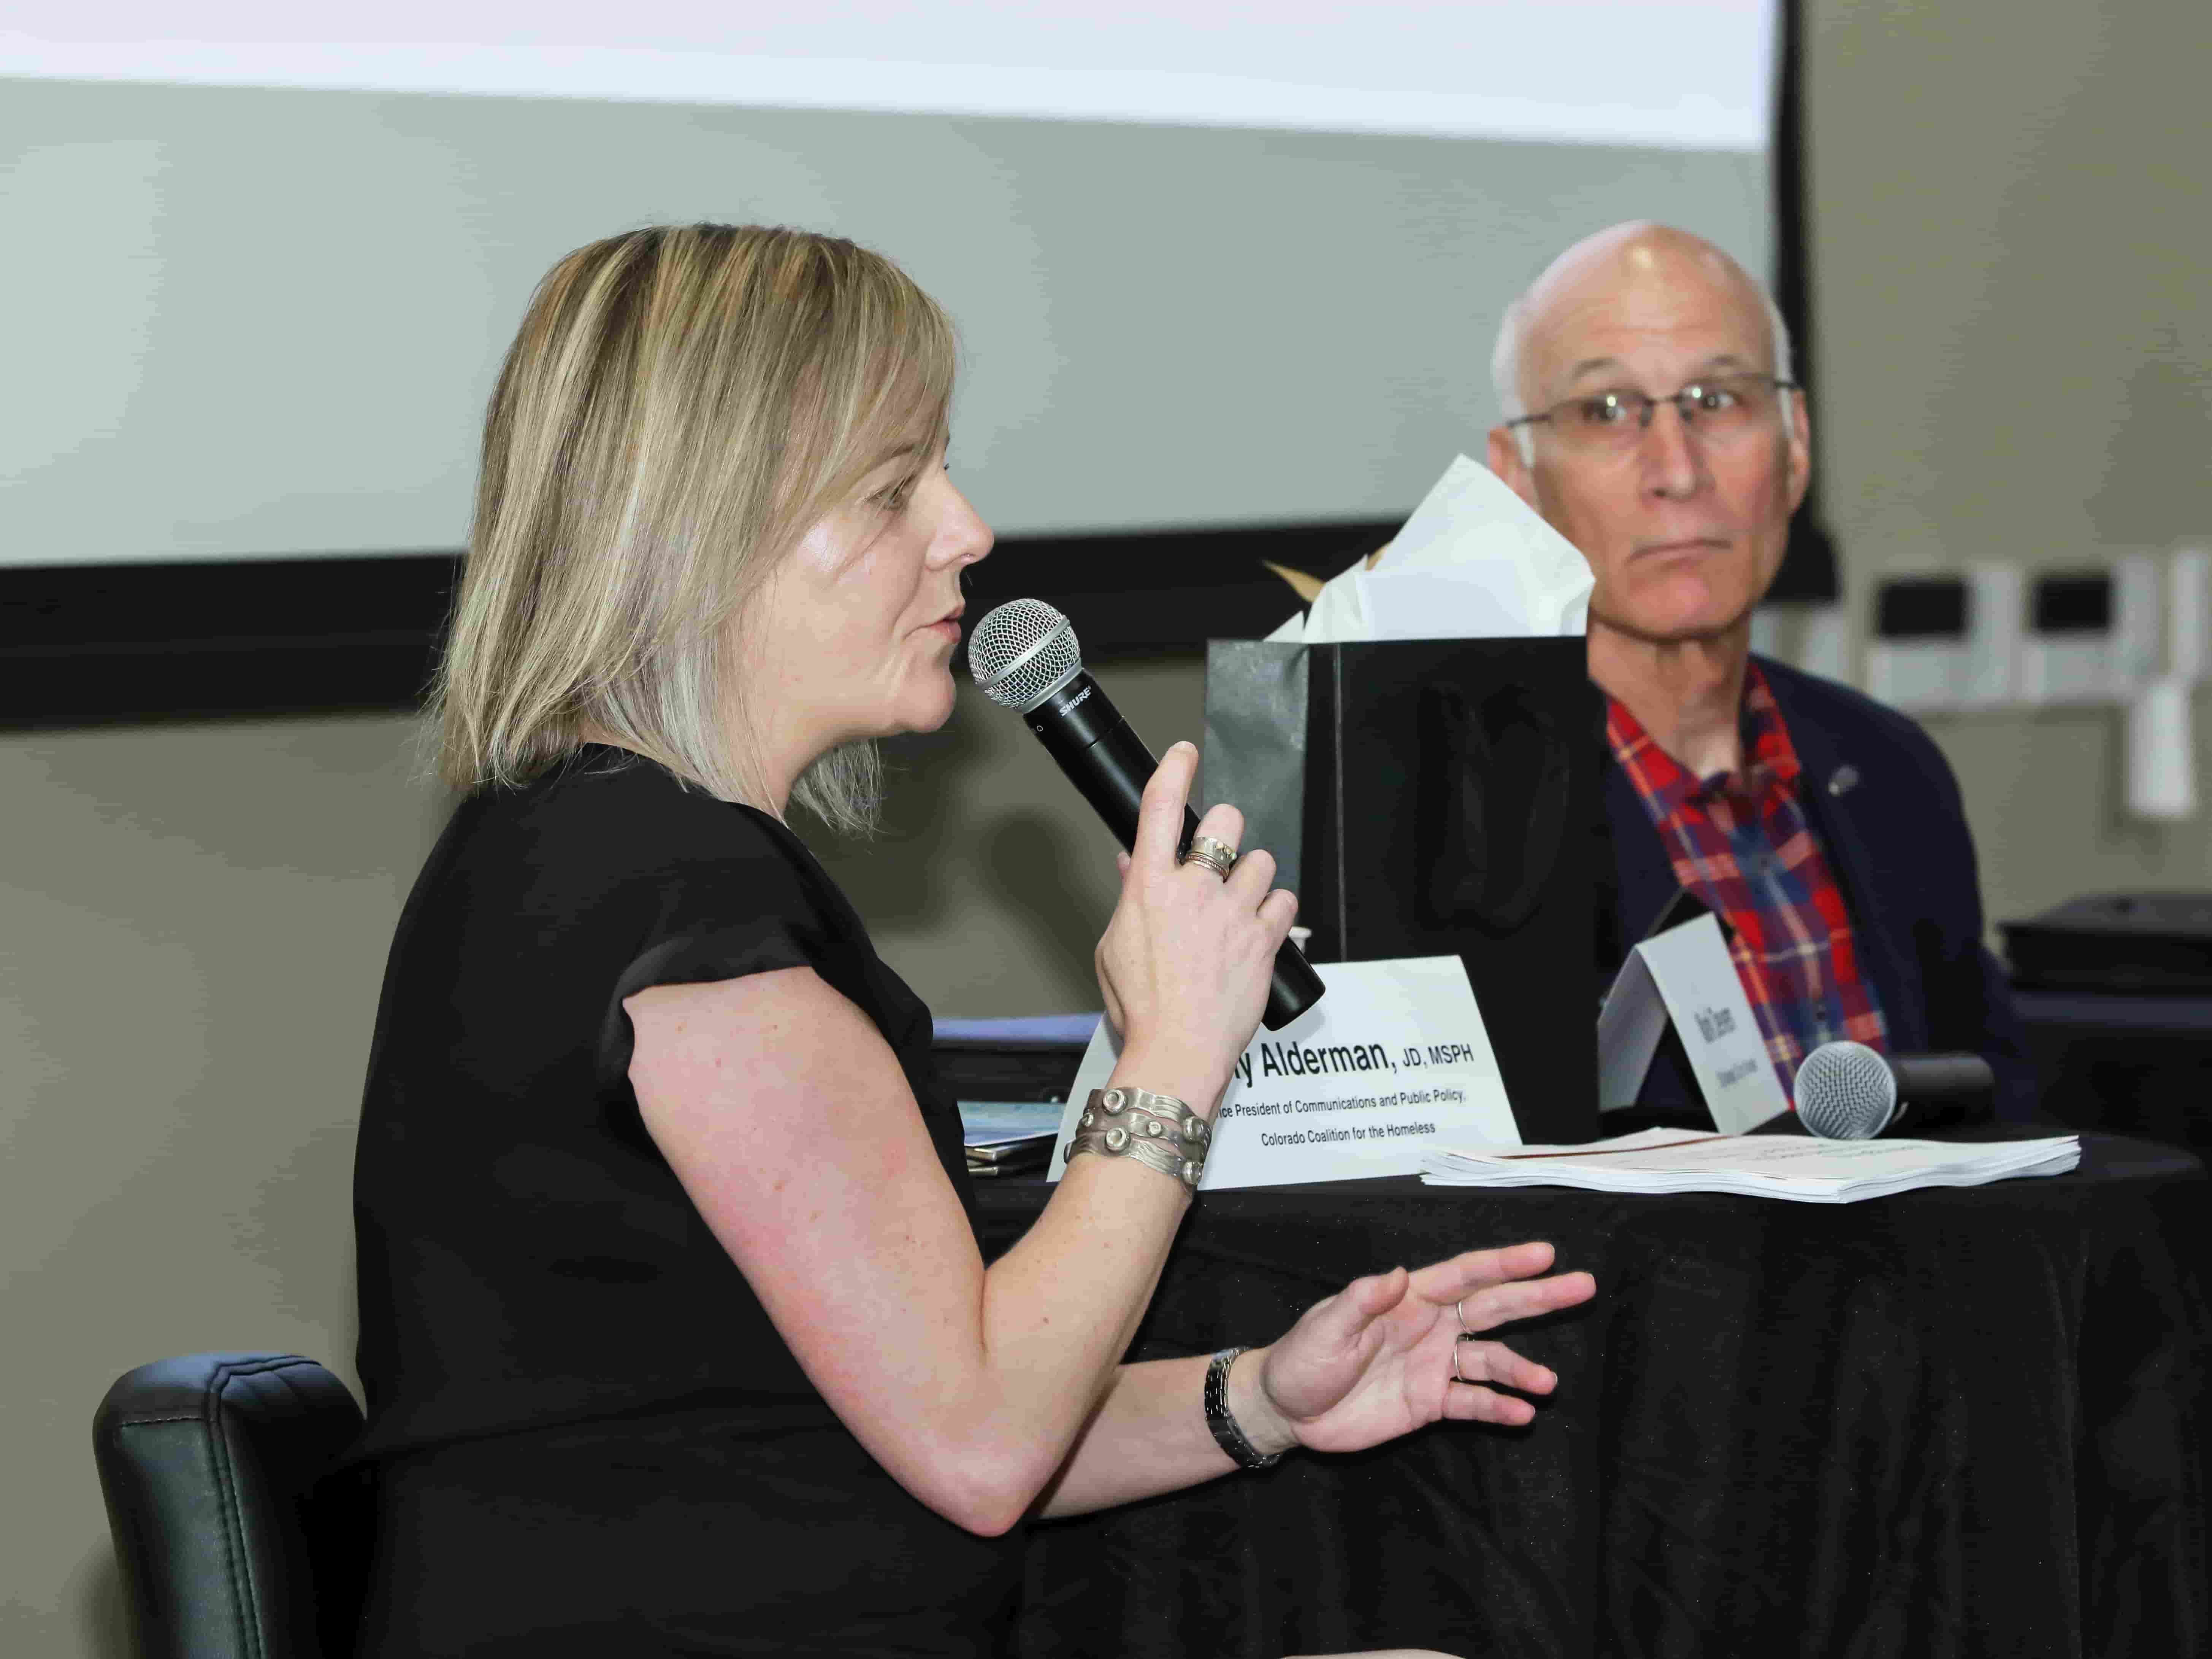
[236, 1541]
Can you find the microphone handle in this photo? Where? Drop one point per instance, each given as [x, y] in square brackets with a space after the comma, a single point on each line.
[1941, 1091]
[1108, 761]
[1942, 1077]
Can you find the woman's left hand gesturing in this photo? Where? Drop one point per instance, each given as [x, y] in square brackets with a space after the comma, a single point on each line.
[1377, 1359]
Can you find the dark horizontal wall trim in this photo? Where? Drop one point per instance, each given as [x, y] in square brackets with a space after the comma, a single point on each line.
[114, 644]
[1155, 592]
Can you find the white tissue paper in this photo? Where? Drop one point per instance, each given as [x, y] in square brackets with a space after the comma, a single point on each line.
[1473, 563]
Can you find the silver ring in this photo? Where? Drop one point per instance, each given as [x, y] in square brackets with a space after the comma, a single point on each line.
[1470, 1381]
[1217, 856]
[1460, 1307]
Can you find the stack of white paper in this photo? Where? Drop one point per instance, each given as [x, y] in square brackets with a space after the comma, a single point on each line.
[1008, 1137]
[1810, 1170]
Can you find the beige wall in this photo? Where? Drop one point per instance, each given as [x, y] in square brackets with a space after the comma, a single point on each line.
[192, 923]
[2011, 234]
[2012, 229]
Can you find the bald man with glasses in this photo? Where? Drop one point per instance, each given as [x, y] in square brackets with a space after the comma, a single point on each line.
[1652, 419]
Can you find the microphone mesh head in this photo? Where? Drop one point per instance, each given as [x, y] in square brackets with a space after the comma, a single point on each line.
[1023, 653]
[1845, 1091]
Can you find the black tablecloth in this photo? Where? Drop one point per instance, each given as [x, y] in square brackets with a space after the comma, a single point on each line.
[1945, 1423]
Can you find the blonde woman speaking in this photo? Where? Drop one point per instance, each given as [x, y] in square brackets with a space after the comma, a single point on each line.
[675, 1331]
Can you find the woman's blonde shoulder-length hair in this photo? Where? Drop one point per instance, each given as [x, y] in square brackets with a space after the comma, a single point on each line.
[681, 405]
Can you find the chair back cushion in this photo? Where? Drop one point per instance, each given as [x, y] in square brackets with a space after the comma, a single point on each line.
[232, 1541]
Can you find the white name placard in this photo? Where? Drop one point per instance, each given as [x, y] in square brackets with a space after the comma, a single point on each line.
[1685, 975]
[1394, 1060]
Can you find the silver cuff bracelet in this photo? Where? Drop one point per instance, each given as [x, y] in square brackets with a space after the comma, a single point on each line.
[1157, 1130]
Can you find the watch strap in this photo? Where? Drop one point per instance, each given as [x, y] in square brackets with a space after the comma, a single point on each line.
[1226, 1434]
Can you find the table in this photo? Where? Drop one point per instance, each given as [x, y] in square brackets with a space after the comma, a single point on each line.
[1955, 1422]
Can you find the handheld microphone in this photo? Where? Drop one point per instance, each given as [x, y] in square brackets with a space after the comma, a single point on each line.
[1847, 1092]
[1025, 657]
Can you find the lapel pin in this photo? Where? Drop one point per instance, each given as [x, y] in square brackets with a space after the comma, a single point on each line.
[1844, 780]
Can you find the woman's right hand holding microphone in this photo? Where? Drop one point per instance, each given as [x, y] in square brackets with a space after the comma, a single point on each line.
[1186, 962]
[1185, 966]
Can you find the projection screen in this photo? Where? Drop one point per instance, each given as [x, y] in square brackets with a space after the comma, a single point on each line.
[1218, 269]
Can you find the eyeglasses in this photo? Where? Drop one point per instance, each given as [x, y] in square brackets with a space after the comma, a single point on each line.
[1719, 408]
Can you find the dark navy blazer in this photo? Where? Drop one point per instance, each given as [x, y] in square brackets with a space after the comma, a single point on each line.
[1884, 803]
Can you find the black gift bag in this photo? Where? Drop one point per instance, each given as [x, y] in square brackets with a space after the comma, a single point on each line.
[1437, 797]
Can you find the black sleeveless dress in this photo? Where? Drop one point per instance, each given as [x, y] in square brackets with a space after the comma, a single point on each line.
[584, 1435]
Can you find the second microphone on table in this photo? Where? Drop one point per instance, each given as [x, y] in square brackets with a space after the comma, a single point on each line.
[1848, 1091]
[1025, 657]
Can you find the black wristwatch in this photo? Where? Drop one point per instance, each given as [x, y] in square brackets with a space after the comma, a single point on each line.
[1226, 1434]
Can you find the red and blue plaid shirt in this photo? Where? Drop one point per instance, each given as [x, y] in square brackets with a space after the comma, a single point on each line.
[1740, 844]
